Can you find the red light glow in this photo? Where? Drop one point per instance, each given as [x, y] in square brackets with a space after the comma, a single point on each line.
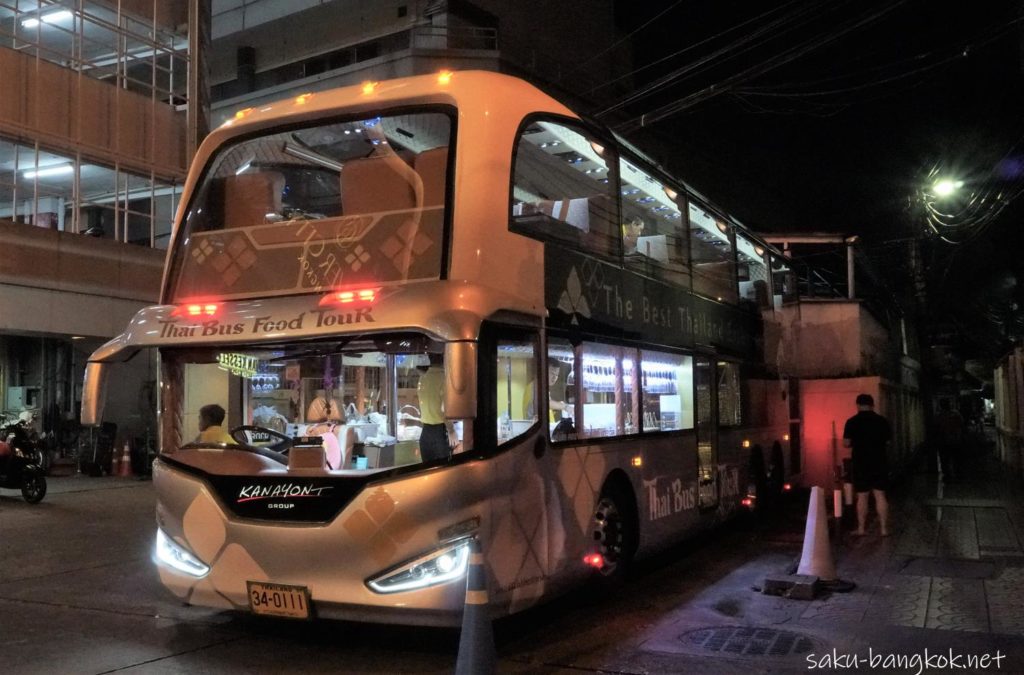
[747, 501]
[786, 487]
[198, 309]
[363, 296]
[595, 560]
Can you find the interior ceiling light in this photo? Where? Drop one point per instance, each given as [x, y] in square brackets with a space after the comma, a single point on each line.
[52, 17]
[57, 170]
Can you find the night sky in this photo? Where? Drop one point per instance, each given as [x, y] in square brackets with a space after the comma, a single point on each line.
[828, 116]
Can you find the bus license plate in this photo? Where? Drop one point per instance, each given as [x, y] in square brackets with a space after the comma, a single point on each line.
[279, 600]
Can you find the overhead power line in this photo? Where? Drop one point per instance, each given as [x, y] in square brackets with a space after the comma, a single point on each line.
[765, 66]
[618, 42]
[742, 45]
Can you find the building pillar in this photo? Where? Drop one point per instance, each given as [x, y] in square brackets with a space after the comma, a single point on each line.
[199, 32]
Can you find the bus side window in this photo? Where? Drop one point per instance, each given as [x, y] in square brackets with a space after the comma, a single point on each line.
[517, 388]
[654, 238]
[561, 370]
[713, 254]
[668, 391]
[564, 189]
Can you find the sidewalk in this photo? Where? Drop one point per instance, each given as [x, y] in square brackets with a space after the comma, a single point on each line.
[948, 581]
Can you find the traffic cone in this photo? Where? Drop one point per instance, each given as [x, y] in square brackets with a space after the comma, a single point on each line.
[816, 558]
[476, 643]
[125, 469]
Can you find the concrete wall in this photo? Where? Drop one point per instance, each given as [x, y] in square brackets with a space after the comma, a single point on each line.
[62, 283]
[826, 404]
[831, 338]
[816, 339]
[73, 112]
[1008, 381]
[279, 40]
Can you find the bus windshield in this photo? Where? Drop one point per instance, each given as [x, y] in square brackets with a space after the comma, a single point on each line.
[308, 209]
[368, 399]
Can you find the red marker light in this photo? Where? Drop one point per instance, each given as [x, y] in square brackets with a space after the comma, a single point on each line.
[747, 501]
[197, 309]
[595, 560]
[363, 296]
[786, 487]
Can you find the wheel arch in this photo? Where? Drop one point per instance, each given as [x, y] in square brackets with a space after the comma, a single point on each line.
[617, 482]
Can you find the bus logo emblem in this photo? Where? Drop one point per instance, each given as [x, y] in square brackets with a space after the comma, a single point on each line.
[573, 301]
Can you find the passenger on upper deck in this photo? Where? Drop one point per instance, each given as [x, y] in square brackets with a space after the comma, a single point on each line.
[632, 230]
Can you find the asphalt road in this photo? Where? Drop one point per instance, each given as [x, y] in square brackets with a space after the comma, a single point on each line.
[79, 594]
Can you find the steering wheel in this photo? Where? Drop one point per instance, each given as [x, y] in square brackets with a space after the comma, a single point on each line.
[281, 445]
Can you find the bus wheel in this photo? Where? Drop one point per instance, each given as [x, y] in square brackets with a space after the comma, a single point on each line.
[614, 531]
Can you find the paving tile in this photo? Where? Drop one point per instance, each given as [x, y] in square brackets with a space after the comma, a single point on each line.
[957, 604]
[996, 536]
[900, 601]
[1003, 594]
[958, 534]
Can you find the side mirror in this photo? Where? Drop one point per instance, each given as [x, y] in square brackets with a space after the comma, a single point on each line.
[460, 369]
[94, 392]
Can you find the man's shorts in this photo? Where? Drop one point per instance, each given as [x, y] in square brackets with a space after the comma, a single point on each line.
[870, 478]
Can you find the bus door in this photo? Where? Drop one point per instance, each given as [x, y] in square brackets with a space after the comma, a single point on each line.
[704, 380]
[524, 499]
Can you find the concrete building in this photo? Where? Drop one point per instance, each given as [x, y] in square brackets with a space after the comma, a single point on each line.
[838, 337]
[265, 50]
[94, 148]
[102, 102]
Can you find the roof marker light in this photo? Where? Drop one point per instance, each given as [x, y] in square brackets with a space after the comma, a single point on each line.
[444, 77]
[369, 87]
[197, 309]
[746, 443]
[302, 98]
[638, 461]
[244, 112]
[362, 296]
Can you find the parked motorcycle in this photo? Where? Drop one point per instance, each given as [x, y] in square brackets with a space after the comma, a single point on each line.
[19, 465]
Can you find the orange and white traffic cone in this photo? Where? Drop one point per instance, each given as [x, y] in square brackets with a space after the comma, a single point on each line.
[125, 469]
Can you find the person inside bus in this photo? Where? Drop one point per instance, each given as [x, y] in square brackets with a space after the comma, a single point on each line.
[632, 230]
[437, 439]
[211, 430]
[324, 408]
[557, 384]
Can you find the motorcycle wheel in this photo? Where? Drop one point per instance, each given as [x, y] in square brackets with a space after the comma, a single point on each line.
[33, 489]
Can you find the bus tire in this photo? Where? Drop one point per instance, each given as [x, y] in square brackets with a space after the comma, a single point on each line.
[615, 530]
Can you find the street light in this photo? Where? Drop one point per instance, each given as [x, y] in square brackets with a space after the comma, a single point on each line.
[946, 186]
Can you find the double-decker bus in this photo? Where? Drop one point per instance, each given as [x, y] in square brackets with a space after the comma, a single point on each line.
[432, 309]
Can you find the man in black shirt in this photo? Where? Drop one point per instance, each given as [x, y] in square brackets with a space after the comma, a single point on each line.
[868, 434]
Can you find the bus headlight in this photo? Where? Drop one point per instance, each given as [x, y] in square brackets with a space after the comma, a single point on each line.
[437, 567]
[171, 554]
